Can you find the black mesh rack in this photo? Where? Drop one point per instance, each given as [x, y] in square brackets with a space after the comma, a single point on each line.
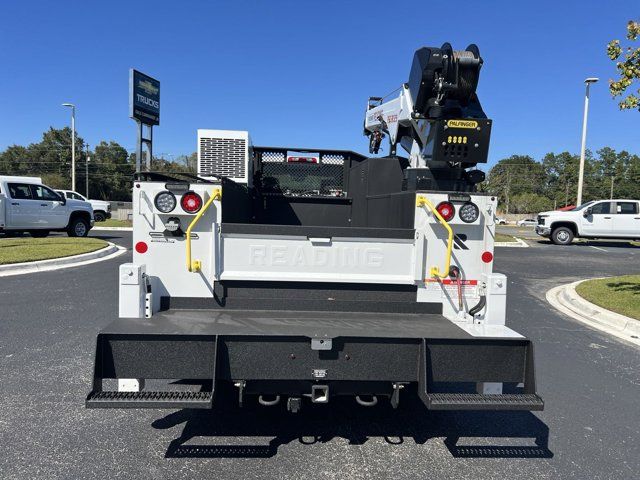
[301, 172]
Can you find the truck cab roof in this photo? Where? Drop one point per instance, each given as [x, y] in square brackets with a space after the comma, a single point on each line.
[17, 178]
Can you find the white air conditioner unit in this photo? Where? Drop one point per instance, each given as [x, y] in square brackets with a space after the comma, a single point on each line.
[227, 153]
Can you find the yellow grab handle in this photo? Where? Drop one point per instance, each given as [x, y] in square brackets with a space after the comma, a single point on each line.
[435, 271]
[195, 265]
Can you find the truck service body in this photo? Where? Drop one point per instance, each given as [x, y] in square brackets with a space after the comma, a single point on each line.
[299, 274]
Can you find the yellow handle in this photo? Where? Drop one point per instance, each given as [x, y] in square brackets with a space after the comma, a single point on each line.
[435, 271]
[195, 265]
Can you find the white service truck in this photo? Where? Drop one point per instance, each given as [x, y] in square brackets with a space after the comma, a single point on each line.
[608, 219]
[295, 275]
[26, 205]
[101, 208]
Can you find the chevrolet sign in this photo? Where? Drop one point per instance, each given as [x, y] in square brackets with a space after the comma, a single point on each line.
[144, 98]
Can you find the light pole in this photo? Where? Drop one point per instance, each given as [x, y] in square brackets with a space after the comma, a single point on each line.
[588, 83]
[73, 144]
[86, 173]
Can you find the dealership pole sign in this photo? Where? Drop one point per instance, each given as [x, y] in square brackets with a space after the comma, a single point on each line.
[144, 108]
[144, 98]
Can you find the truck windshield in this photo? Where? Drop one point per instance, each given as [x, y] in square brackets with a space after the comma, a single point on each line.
[582, 207]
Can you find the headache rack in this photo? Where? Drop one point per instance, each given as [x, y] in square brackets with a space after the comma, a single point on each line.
[300, 172]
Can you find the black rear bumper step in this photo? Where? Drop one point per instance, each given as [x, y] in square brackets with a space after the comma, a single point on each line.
[150, 400]
[471, 401]
[273, 352]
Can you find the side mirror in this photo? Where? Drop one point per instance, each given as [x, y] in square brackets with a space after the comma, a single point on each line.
[63, 200]
[587, 212]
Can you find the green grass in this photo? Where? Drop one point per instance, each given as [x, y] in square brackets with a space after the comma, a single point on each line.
[17, 250]
[113, 223]
[618, 294]
[501, 237]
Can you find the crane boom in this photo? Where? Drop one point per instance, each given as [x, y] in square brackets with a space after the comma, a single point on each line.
[436, 117]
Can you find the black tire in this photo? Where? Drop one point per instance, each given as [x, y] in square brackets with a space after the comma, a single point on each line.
[78, 227]
[99, 216]
[39, 233]
[562, 236]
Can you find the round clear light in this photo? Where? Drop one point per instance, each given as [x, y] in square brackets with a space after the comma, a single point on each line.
[165, 202]
[469, 212]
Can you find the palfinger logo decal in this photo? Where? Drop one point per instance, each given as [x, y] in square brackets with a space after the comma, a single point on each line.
[462, 124]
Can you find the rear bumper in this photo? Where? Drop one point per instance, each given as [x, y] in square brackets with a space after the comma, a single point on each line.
[289, 355]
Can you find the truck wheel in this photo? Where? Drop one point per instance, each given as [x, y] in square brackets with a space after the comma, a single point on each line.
[78, 227]
[99, 216]
[562, 236]
[39, 233]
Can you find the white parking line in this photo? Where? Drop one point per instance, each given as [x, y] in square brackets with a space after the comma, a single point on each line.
[598, 248]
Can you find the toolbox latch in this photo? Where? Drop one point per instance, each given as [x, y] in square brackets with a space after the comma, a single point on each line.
[321, 344]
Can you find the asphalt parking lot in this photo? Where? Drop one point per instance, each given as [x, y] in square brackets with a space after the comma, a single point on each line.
[590, 427]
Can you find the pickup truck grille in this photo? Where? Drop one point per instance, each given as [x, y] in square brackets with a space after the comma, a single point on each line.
[540, 220]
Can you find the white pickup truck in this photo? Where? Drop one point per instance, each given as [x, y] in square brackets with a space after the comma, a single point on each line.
[28, 206]
[101, 208]
[616, 219]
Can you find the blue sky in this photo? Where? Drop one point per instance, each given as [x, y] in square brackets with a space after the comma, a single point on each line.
[299, 73]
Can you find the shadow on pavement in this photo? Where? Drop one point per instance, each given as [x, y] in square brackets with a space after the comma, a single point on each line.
[106, 236]
[223, 431]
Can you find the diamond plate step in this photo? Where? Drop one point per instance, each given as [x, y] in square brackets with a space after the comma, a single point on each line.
[149, 400]
[476, 401]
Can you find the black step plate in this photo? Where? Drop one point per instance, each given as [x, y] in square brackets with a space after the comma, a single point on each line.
[149, 400]
[471, 401]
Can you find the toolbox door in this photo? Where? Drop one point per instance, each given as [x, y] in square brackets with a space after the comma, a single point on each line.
[321, 258]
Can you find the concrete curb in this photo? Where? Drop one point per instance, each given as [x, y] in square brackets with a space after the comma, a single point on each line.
[566, 299]
[115, 229]
[106, 253]
[519, 243]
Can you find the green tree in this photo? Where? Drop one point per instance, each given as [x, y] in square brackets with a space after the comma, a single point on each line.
[561, 172]
[621, 171]
[110, 169]
[53, 155]
[110, 172]
[530, 203]
[14, 161]
[50, 158]
[513, 176]
[627, 60]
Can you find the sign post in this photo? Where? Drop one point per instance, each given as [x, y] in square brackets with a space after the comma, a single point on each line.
[144, 108]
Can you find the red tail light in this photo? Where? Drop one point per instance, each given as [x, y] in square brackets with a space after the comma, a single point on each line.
[446, 209]
[191, 202]
[142, 247]
[487, 257]
[302, 160]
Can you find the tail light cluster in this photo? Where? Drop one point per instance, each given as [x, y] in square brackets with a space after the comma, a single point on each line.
[468, 212]
[166, 202]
